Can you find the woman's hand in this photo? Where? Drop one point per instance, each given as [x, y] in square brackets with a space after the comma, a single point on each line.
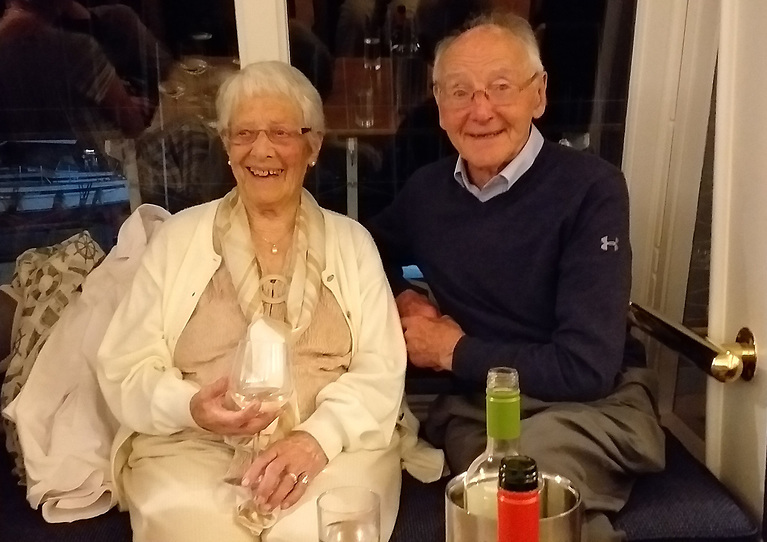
[209, 409]
[280, 474]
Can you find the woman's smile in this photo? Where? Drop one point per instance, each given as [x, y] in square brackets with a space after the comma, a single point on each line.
[264, 173]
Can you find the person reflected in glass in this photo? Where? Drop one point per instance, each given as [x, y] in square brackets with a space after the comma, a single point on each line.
[60, 83]
[191, 466]
[525, 246]
[140, 60]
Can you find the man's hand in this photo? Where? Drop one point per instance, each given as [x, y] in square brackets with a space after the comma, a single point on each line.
[431, 341]
[411, 303]
[209, 410]
[280, 474]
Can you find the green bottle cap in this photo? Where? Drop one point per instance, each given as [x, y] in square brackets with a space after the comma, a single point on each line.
[502, 406]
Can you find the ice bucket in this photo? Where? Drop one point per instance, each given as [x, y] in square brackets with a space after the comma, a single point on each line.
[561, 513]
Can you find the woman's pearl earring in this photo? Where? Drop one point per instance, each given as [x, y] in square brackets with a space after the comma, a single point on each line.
[229, 162]
[312, 163]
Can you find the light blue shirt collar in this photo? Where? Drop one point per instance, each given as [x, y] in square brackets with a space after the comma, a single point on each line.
[508, 175]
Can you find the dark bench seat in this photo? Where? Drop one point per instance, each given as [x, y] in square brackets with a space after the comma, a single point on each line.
[685, 503]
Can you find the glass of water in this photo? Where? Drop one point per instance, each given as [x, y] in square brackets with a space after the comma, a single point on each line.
[363, 108]
[349, 514]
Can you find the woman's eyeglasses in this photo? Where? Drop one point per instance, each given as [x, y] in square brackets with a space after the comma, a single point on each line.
[278, 136]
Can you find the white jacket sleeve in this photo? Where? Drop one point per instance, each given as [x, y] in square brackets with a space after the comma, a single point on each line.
[135, 370]
[359, 410]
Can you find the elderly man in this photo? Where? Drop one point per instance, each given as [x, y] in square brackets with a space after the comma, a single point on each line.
[525, 246]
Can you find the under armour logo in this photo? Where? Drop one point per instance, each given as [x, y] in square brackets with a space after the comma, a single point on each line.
[607, 244]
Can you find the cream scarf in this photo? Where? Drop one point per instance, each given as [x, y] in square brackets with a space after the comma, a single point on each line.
[231, 239]
[264, 296]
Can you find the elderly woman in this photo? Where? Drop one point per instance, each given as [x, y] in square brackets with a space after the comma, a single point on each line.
[266, 249]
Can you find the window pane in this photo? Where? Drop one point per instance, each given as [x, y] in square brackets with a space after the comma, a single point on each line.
[371, 61]
[690, 393]
[104, 105]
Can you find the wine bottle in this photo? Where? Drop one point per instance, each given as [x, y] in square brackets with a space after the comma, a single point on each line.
[518, 505]
[502, 410]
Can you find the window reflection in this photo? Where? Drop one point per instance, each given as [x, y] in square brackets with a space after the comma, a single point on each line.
[76, 71]
[180, 159]
[104, 105]
[127, 89]
[381, 54]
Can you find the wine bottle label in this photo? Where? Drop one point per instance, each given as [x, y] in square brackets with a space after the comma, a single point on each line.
[503, 414]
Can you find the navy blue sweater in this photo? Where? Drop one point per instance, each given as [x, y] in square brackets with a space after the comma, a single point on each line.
[538, 277]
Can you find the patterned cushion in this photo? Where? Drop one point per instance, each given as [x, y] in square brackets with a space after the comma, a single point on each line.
[45, 281]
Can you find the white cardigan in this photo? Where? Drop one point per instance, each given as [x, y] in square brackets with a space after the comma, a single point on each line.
[147, 393]
[64, 427]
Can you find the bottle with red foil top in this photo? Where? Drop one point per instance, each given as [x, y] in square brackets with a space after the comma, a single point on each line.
[518, 506]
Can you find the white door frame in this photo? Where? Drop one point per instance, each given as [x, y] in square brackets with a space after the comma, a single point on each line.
[262, 30]
[736, 419]
[653, 88]
[670, 89]
[672, 72]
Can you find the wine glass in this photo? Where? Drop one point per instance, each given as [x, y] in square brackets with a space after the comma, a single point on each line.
[193, 65]
[261, 367]
[172, 89]
[193, 49]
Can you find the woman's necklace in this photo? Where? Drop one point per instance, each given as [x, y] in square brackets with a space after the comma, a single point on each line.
[275, 248]
[275, 245]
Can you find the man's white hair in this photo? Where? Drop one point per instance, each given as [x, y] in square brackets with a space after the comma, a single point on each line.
[515, 25]
[270, 78]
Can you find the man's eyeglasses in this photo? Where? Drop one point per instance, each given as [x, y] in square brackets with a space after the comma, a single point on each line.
[278, 136]
[499, 93]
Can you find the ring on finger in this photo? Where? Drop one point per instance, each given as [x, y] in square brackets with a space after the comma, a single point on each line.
[293, 477]
[303, 478]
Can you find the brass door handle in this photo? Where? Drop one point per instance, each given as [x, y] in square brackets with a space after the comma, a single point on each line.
[726, 363]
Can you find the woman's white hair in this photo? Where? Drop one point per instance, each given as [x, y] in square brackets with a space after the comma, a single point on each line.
[270, 78]
[515, 25]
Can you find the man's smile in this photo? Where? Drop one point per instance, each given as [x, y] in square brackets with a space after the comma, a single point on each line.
[485, 135]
